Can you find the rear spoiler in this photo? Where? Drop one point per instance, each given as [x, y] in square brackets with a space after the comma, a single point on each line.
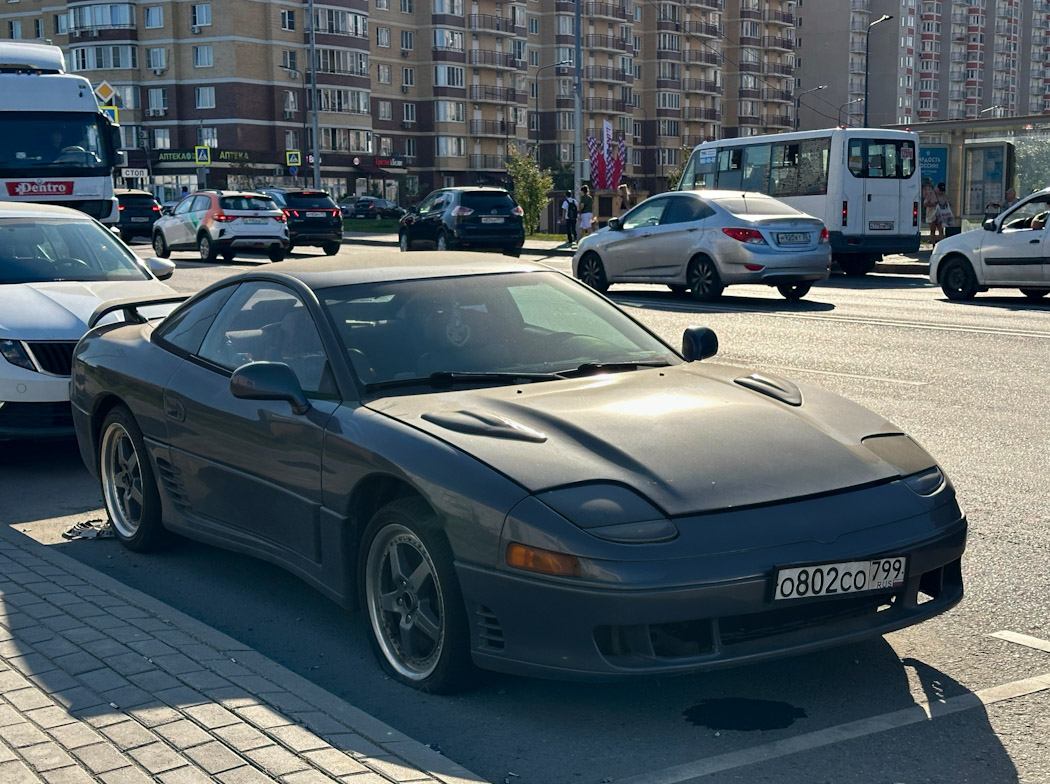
[130, 308]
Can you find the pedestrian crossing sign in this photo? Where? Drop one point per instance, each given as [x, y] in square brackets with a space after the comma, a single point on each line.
[294, 157]
[110, 112]
[202, 154]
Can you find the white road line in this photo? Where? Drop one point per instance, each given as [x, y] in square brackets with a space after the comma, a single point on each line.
[1023, 639]
[915, 714]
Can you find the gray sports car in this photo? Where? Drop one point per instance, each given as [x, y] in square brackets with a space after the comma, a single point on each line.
[504, 470]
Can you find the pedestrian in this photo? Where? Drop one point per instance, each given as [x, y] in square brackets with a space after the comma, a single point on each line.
[623, 201]
[570, 209]
[1010, 200]
[929, 204]
[945, 216]
[586, 211]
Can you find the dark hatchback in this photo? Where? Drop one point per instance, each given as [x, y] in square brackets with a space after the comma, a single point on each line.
[376, 209]
[467, 218]
[313, 218]
[138, 212]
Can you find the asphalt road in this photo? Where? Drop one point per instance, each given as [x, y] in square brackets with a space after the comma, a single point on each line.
[941, 702]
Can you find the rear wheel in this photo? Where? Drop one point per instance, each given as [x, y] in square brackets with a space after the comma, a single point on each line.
[856, 266]
[958, 281]
[704, 280]
[793, 291]
[329, 248]
[206, 247]
[404, 243]
[160, 247]
[1035, 293]
[128, 486]
[515, 252]
[592, 272]
[443, 242]
[275, 254]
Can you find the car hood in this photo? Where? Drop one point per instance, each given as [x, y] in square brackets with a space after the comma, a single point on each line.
[691, 439]
[60, 310]
[967, 240]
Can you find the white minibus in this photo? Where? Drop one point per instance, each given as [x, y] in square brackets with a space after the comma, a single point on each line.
[863, 183]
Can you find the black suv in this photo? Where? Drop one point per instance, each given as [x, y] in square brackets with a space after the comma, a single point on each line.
[474, 218]
[313, 218]
[138, 212]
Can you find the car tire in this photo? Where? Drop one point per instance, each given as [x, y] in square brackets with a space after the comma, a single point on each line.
[129, 489]
[705, 284]
[404, 243]
[443, 242]
[275, 254]
[126, 236]
[228, 256]
[958, 281]
[1035, 293]
[412, 599]
[206, 247]
[591, 271]
[515, 252]
[329, 248]
[856, 266]
[160, 247]
[794, 291]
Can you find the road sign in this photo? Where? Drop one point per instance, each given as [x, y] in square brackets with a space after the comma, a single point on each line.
[105, 91]
[128, 174]
[202, 155]
[110, 112]
[293, 158]
[293, 170]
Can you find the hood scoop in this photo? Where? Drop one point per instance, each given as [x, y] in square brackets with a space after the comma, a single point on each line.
[483, 423]
[774, 387]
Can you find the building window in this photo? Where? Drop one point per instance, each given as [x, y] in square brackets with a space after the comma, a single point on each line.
[161, 139]
[383, 37]
[451, 146]
[156, 58]
[407, 6]
[534, 26]
[200, 14]
[534, 57]
[204, 97]
[203, 57]
[448, 76]
[291, 100]
[157, 99]
[448, 40]
[153, 16]
[291, 140]
[14, 29]
[386, 146]
[382, 5]
[287, 19]
[450, 111]
[566, 25]
[208, 137]
[383, 74]
[408, 77]
[289, 60]
[385, 110]
[410, 148]
[451, 7]
[408, 39]
[409, 113]
[566, 121]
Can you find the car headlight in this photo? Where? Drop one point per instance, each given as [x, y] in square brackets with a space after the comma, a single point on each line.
[15, 353]
[918, 469]
[611, 512]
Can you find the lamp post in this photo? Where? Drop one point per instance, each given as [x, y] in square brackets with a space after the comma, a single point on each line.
[855, 100]
[798, 100]
[542, 68]
[991, 109]
[316, 146]
[867, 49]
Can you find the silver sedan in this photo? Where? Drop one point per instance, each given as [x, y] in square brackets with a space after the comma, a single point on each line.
[703, 241]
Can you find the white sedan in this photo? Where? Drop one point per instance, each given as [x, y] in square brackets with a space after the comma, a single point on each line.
[57, 266]
[1011, 250]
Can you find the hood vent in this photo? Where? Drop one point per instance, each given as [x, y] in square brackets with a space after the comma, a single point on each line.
[483, 423]
[774, 387]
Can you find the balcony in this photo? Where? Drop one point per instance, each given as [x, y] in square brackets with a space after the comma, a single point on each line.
[489, 23]
[612, 43]
[777, 120]
[856, 47]
[710, 5]
[959, 57]
[605, 73]
[960, 19]
[488, 93]
[957, 76]
[781, 69]
[703, 56]
[779, 17]
[778, 42]
[606, 10]
[708, 86]
[858, 26]
[492, 58]
[864, 6]
[749, 67]
[479, 162]
[751, 13]
[856, 67]
[701, 113]
[492, 128]
[1005, 48]
[777, 96]
[604, 105]
[747, 119]
[956, 114]
[956, 95]
[703, 29]
[691, 140]
[748, 93]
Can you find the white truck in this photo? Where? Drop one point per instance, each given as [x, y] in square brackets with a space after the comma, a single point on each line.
[56, 145]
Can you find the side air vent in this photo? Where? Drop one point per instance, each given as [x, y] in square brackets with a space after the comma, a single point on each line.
[171, 479]
[489, 629]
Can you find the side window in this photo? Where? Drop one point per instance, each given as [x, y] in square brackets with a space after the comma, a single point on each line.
[184, 206]
[186, 330]
[881, 159]
[428, 203]
[685, 210]
[645, 214]
[730, 175]
[756, 168]
[201, 204]
[784, 177]
[266, 322]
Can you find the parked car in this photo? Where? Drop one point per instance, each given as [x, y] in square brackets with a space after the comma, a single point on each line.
[313, 218]
[471, 218]
[504, 469]
[56, 266]
[376, 209]
[223, 223]
[1008, 251]
[346, 204]
[703, 241]
[137, 212]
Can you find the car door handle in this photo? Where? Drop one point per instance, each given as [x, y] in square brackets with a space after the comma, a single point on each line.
[173, 409]
[1034, 242]
[695, 228]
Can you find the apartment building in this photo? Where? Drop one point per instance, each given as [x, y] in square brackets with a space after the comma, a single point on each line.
[932, 60]
[417, 94]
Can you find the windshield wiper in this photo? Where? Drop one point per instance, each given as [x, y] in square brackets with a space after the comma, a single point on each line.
[446, 379]
[611, 367]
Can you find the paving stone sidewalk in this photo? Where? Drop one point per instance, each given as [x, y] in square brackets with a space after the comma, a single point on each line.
[101, 683]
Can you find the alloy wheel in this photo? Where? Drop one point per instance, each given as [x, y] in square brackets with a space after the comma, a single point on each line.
[122, 480]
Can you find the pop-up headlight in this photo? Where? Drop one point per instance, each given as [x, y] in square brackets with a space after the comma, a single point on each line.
[917, 467]
[611, 512]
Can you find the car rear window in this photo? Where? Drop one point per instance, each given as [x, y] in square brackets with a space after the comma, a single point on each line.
[752, 205]
[487, 201]
[309, 201]
[136, 201]
[247, 203]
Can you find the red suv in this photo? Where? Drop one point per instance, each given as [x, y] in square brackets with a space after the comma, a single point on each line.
[223, 223]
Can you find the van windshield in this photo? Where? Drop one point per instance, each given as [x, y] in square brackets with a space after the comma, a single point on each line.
[52, 144]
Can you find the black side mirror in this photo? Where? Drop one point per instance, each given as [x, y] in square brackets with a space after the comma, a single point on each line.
[614, 224]
[989, 225]
[699, 343]
[269, 381]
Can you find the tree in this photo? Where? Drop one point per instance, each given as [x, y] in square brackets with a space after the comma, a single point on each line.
[674, 174]
[1032, 162]
[532, 186]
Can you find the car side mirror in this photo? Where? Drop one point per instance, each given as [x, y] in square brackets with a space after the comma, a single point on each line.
[614, 224]
[989, 225]
[699, 343]
[269, 381]
[166, 211]
[161, 268]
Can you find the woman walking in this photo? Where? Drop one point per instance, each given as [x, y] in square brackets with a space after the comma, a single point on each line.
[622, 201]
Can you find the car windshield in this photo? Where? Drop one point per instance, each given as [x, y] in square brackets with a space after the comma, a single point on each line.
[49, 143]
[309, 201]
[247, 203]
[755, 205]
[509, 323]
[41, 250]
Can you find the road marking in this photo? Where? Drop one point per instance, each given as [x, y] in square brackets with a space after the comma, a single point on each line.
[1023, 639]
[915, 714]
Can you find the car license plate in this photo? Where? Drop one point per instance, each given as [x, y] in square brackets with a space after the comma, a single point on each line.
[316, 214]
[139, 219]
[880, 225]
[837, 578]
[255, 220]
[799, 238]
[491, 219]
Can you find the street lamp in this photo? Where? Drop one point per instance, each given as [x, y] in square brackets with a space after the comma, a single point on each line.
[542, 68]
[798, 100]
[855, 100]
[867, 49]
[991, 109]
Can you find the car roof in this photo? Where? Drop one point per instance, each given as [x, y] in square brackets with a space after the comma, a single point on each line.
[322, 273]
[131, 192]
[17, 209]
[295, 191]
[461, 188]
[708, 193]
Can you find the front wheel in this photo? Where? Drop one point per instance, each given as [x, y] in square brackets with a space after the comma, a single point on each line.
[206, 248]
[329, 248]
[793, 291]
[958, 281]
[592, 272]
[1035, 293]
[404, 243]
[413, 601]
[704, 281]
[128, 486]
[160, 247]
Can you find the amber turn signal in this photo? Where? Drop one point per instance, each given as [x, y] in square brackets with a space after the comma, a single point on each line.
[533, 559]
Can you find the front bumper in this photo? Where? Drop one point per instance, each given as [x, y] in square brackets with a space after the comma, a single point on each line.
[35, 420]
